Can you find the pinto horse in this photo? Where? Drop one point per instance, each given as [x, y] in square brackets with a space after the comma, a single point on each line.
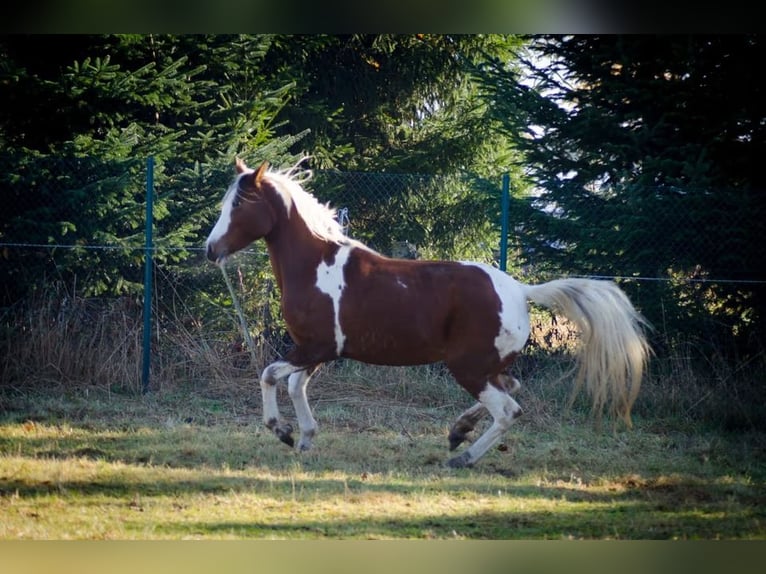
[340, 298]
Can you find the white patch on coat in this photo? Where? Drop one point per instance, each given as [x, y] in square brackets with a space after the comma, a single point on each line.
[330, 280]
[514, 313]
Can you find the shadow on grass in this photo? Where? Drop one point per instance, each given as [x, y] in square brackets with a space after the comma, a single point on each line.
[650, 511]
[644, 524]
[365, 468]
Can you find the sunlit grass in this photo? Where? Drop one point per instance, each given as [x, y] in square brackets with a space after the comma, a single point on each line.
[147, 473]
[84, 455]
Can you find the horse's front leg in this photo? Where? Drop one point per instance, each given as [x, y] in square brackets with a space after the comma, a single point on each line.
[296, 388]
[271, 418]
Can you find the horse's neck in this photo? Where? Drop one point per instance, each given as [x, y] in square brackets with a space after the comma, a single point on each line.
[295, 255]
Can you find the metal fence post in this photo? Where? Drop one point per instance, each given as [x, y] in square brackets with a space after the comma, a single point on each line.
[505, 201]
[148, 252]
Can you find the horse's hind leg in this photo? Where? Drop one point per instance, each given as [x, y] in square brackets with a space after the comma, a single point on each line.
[510, 383]
[466, 422]
[271, 417]
[504, 411]
[296, 388]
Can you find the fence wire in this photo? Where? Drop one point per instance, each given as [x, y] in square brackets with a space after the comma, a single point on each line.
[693, 269]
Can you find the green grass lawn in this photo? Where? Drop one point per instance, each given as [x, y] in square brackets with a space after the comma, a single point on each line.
[178, 467]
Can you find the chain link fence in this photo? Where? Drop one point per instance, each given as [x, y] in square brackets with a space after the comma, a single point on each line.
[72, 254]
[72, 258]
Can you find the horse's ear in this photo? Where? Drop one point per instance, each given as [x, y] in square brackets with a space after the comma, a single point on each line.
[239, 165]
[260, 171]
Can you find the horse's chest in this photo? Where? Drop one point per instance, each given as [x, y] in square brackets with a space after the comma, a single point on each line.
[309, 314]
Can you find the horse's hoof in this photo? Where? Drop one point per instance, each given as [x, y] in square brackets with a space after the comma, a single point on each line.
[455, 440]
[304, 446]
[462, 461]
[285, 434]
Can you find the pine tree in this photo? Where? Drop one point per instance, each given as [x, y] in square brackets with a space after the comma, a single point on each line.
[408, 106]
[100, 105]
[76, 172]
[645, 151]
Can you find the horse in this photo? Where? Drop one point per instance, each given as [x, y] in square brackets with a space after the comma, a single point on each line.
[342, 299]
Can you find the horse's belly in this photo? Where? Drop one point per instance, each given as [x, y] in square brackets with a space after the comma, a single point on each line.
[392, 342]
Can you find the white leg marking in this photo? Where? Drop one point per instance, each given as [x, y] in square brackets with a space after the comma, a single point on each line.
[504, 410]
[269, 378]
[296, 388]
[514, 313]
[330, 280]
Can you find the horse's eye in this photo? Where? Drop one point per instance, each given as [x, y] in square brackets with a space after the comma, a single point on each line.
[237, 201]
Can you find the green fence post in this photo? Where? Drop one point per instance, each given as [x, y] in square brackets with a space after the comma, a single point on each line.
[148, 252]
[505, 204]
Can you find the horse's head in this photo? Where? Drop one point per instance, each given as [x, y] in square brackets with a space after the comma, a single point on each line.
[246, 213]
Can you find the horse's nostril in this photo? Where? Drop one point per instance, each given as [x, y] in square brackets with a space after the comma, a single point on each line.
[211, 255]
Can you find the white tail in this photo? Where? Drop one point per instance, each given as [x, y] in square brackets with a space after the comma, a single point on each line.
[613, 352]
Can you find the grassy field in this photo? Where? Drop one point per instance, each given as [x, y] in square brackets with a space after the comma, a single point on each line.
[193, 464]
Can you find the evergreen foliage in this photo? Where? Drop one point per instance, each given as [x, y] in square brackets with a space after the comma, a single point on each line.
[78, 127]
[641, 154]
[77, 173]
[396, 103]
[645, 152]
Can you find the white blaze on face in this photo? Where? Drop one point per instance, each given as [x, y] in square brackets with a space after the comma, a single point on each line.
[330, 280]
[514, 313]
[222, 225]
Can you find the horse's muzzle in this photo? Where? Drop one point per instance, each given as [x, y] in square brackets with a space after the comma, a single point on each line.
[214, 255]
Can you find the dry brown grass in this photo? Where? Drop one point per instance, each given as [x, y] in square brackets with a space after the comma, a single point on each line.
[64, 342]
[59, 340]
